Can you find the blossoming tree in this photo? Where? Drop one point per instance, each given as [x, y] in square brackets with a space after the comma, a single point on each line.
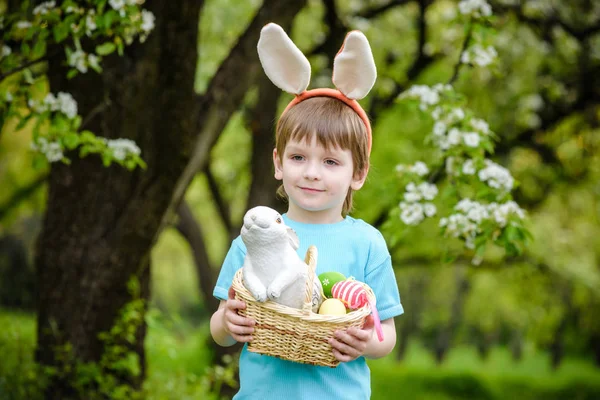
[97, 99]
[478, 190]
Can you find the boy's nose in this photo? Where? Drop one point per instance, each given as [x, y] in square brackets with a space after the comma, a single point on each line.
[312, 171]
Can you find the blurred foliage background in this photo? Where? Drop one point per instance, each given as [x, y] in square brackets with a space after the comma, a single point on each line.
[520, 327]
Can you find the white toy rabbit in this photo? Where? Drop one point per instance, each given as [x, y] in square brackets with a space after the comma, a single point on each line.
[272, 268]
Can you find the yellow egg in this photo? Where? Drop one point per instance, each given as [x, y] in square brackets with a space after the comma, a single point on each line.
[332, 307]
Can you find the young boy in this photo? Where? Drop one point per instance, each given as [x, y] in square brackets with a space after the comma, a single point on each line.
[323, 143]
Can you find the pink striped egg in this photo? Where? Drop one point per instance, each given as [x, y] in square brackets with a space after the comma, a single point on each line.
[351, 292]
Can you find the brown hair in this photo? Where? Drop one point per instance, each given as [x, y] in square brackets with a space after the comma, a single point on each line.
[334, 124]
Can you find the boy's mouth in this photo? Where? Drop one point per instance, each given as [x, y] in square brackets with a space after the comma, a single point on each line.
[311, 190]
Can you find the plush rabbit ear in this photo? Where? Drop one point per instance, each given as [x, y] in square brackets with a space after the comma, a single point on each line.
[283, 62]
[354, 71]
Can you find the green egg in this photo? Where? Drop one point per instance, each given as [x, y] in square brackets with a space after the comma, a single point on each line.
[328, 279]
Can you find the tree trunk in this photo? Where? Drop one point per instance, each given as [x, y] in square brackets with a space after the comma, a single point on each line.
[101, 223]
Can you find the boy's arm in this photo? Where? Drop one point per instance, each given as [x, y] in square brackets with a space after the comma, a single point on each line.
[227, 327]
[217, 327]
[377, 349]
[351, 343]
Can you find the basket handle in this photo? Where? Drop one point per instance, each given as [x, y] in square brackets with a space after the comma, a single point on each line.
[311, 260]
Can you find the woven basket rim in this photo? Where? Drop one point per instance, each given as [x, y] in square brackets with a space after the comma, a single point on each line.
[305, 315]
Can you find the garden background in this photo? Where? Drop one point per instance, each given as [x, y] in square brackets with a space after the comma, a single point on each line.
[106, 271]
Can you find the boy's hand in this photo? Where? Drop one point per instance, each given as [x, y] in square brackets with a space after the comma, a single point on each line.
[240, 328]
[352, 343]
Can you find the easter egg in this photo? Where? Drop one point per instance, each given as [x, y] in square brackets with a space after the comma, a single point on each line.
[328, 279]
[332, 307]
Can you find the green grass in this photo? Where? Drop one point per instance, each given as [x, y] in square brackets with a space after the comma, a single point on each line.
[178, 368]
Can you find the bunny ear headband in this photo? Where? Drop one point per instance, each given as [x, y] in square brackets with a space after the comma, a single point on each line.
[354, 71]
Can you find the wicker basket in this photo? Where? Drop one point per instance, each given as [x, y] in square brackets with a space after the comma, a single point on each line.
[293, 334]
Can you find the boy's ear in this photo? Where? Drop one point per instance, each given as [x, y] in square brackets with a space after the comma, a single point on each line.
[277, 165]
[359, 179]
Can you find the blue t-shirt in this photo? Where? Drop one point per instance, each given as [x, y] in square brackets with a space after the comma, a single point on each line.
[352, 247]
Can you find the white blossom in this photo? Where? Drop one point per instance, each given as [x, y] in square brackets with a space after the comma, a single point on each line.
[123, 147]
[6, 51]
[532, 102]
[501, 212]
[63, 102]
[412, 214]
[466, 222]
[117, 4]
[52, 150]
[78, 60]
[476, 8]
[428, 190]
[429, 209]
[454, 136]
[439, 128]
[90, 23]
[480, 125]
[420, 168]
[496, 176]
[67, 104]
[457, 114]
[23, 25]
[94, 61]
[44, 8]
[471, 139]
[147, 21]
[427, 95]
[468, 167]
[479, 55]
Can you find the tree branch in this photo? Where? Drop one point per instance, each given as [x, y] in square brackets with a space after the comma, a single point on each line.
[22, 67]
[422, 61]
[464, 48]
[29, 63]
[95, 111]
[578, 33]
[375, 11]
[337, 32]
[228, 87]
[222, 206]
[191, 230]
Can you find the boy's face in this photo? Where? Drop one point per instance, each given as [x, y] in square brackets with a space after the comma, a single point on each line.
[316, 180]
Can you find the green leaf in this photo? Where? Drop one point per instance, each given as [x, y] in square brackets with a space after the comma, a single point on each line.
[106, 48]
[25, 49]
[72, 73]
[71, 140]
[39, 161]
[39, 49]
[61, 32]
[23, 122]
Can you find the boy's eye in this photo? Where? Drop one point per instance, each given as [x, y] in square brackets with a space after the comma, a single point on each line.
[331, 162]
[297, 158]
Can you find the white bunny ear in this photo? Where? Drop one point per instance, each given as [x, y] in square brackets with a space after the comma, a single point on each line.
[282, 60]
[354, 71]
